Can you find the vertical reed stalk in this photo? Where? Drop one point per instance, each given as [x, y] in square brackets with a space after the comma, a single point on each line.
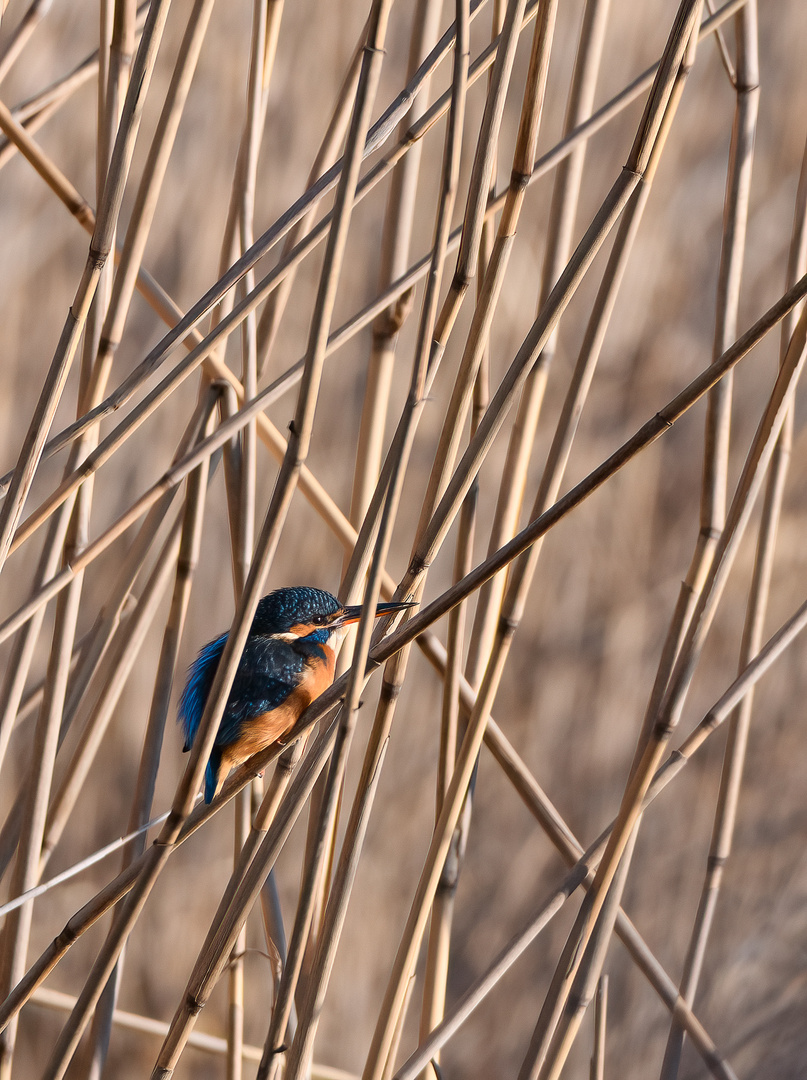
[100, 247]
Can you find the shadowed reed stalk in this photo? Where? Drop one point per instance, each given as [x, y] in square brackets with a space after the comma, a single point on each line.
[597, 1070]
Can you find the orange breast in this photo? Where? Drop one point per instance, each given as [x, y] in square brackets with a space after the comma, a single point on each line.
[267, 728]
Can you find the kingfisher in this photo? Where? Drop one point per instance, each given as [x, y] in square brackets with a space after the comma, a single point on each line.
[288, 661]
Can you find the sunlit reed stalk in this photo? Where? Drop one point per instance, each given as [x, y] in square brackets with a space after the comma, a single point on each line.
[119, 887]
[96, 661]
[638, 163]
[34, 825]
[298, 443]
[284, 1014]
[563, 211]
[22, 33]
[377, 135]
[669, 713]
[427, 355]
[671, 768]
[734, 758]
[395, 260]
[243, 537]
[54, 999]
[100, 247]
[269, 322]
[168, 310]
[524, 569]
[187, 560]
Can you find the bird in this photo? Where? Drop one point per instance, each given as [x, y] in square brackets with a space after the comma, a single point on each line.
[288, 661]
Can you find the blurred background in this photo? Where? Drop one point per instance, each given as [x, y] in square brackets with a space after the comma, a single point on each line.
[583, 662]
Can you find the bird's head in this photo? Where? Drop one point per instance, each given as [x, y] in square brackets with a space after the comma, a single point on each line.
[300, 612]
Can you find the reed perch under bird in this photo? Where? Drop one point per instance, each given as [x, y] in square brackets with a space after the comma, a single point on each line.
[288, 661]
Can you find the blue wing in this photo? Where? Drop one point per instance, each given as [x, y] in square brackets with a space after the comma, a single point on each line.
[200, 679]
[267, 673]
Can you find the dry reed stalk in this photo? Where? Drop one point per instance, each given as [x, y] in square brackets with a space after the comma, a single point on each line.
[106, 624]
[142, 802]
[118, 888]
[159, 495]
[716, 1064]
[243, 538]
[648, 433]
[267, 333]
[466, 265]
[32, 836]
[563, 211]
[463, 275]
[148, 192]
[721, 711]
[53, 177]
[269, 322]
[394, 263]
[522, 571]
[426, 357]
[571, 850]
[376, 136]
[32, 825]
[429, 543]
[662, 421]
[716, 443]
[54, 999]
[35, 110]
[126, 648]
[524, 156]
[466, 385]
[296, 454]
[167, 310]
[597, 1070]
[242, 891]
[100, 247]
[36, 11]
[564, 840]
[22, 653]
[53, 543]
[750, 482]
[411, 938]
[17, 927]
[734, 757]
[609, 212]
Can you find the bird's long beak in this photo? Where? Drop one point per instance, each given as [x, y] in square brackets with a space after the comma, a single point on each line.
[350, 615]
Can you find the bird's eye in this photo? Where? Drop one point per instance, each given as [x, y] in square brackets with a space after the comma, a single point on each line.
[319, 620]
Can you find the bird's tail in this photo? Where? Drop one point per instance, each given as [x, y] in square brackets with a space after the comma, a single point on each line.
[212, 774]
